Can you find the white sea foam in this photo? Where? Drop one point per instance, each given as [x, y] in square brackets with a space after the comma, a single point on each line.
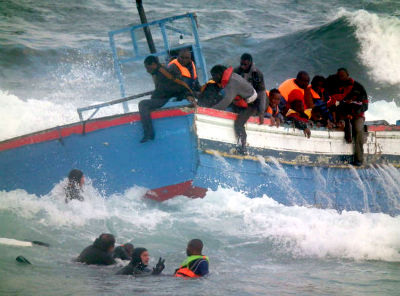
[19, 117]
[223, 214]
[383, 110]
[379, 37]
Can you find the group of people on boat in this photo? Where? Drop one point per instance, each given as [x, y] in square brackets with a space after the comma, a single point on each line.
[337, 101]
[103, 252]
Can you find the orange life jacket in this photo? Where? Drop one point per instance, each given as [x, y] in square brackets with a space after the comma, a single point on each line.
[184, 71]
[287, 87]
[270, 111]
[184, 270]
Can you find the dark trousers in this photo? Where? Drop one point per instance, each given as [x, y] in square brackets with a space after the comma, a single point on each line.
[354, 129]
[145, 108]
[243, 115]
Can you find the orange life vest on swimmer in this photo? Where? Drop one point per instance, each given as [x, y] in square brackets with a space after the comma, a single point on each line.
[238, 100]
[184, 71]
[184, 270]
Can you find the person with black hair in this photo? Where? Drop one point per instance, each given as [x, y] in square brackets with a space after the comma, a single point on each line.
[272, 112]
[184, 68]
[351, 101]
[235, 88]
[254, 76]
[166, 87]
[123, 252]
[139, 264]
[73, 189]
[100, 252]
[196, 264]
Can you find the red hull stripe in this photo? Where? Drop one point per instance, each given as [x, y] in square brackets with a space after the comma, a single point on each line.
[91, 126]
[94, 125]
[167, 192]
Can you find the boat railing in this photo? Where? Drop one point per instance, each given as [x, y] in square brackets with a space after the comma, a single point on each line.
[97, 107]
[165, 27]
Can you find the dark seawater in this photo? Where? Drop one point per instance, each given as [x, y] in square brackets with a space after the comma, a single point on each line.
[55, 57]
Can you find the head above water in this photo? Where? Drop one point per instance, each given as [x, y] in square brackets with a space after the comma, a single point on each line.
[194, 247]
[151, 63]
[140, 256]
[302, 79]
[216, 72]
[246, 60]
[76, 176]
[106, 242]
[129, 249]
[185, 57]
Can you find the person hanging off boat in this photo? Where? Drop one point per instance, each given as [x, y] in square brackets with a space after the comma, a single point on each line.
[184, 68]
[73, 190]
[196, 264]
[351, 101]
[245, 110]
[166, 87]
[234, 87]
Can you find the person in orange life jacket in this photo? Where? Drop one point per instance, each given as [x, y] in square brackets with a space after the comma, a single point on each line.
[299, 83]
[298, 116]
[272, 111]
[184, 68]
[76, 179]
[196, 264]
[234, 86]
[123, 252]
[351, 108]
[254, 76]
[100, 252]
[166, 87]
[321, 114]
[139, 264]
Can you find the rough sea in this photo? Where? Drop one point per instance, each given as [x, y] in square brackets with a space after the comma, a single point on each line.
[55, 57]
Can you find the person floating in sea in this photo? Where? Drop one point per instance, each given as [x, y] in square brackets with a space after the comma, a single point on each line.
[100, 252]
[139, 264]
[76, 179]
[166, 87]
[184, 68]
[235, 87]
[123, 252]
[196, 264]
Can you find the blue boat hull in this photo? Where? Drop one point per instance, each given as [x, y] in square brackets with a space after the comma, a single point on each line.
[179, 162]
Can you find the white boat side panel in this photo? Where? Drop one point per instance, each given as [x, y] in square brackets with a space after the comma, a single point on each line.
[293, 140]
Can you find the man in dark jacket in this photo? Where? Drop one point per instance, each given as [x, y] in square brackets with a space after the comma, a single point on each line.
[352, 102]
[166, 87]
[100, 253]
